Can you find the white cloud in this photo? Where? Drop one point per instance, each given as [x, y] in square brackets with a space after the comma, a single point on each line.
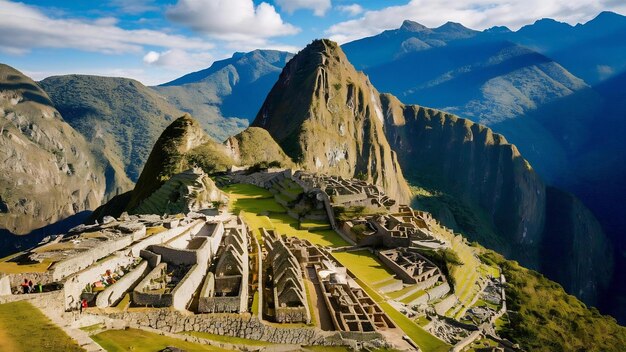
[24, 27]
[352, 10]
[477, 14]
[319, 7]
[178, 60]
[231, 20]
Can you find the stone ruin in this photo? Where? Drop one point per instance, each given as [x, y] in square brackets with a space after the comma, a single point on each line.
[225, 289]
[411, 267]
[348, 192]
[190, 190]
[289, 298]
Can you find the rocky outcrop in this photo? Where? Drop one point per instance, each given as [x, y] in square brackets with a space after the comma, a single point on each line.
[190, 190]
[328, 118]
[254, 146]
[167, 156]
[543, 228]
[47, 171]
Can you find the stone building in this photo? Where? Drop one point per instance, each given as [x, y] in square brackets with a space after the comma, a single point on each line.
[225, 290]
[411, 267]
[287, 286]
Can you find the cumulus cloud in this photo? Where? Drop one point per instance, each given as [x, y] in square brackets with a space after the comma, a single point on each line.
[319, 7]
[24, 27]
[179, 60]
[477, 14]
[231, 20]
[352, 10]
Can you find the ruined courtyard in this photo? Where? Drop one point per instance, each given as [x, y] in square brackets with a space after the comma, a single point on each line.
[310, 260]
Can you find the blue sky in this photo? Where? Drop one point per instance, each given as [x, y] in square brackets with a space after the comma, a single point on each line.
[158, 40]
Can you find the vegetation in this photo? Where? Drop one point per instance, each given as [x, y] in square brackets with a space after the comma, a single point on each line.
[364, 265]
[543, 317]
[260, 209]
[23, 328]
[143, 341]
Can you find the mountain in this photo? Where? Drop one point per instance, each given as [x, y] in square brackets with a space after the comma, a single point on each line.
[48, 172]
[227, 95]
[480, 76]
[121, 118]
[184, 145]
[486, 189]
[584, 132]
[327, 117]
[593, 51]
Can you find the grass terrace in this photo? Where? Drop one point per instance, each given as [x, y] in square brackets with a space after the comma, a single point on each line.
[260, 209]
[143, 341]
[369, 271]
[24, 328]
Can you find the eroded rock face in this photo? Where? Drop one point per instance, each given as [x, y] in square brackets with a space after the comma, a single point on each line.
[47, 171]
[328, 118]
[543, 228]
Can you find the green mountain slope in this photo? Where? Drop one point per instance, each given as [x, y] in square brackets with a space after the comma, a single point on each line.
[121, 118]
[47, 169]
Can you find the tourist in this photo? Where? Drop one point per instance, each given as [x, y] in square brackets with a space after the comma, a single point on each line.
[39, 287]
[25, 286]
[31, 289]
[83, 305]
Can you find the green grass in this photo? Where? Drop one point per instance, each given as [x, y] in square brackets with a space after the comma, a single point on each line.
[543, 317]
[24, 328]
[400, 293]
[143, 341]
[227, 339]
[365, 266]
[413, 296]
[91, 328]
[255, 304]
[426, 341]
[260, 209]
[15, 268]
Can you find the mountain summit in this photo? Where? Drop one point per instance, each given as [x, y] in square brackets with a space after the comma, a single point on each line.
[328, 117]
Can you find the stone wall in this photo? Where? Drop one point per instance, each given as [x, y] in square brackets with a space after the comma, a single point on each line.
[175, 255]
[5, 286]
[238, 325]
[75, 284]
[115, 292]
[165, 236]
[17, 279]
[152, 258]
[81, 261]
[148, 298]
[182, 293]
[442, 307]
[438, 291]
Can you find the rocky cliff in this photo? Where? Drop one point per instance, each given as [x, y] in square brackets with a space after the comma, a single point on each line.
[47, 172]
[498, 198]
[328, 118]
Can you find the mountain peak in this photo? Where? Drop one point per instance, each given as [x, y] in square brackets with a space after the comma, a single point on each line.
[328, 118]
[412, 26]
[452, 26]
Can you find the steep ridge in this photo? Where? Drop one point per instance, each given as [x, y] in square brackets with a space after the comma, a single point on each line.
[48, 172]
[121, 117]
[184, 145]
[327, 117]
[229, 93]
[501, 192]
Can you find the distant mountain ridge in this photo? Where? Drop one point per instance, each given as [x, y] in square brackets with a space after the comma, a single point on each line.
[477, 75]
[229, 93]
